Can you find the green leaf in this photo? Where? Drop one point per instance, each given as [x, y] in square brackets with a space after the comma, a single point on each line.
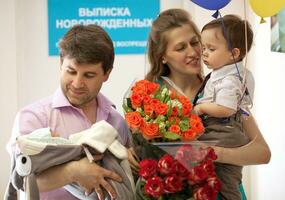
[184, 124]
[169, 111]
[171, 136]
[129, 103]
[166, 99]
[127, 109]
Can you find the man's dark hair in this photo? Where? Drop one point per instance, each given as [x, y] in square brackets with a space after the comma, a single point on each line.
[88, 44]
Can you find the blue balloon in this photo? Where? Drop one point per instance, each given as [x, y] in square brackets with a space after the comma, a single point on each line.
[211, 4]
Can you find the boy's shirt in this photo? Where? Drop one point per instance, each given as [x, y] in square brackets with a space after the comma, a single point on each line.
[225, 88]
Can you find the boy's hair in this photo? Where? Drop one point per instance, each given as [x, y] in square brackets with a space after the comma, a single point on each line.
[88, 44]
[234, 32]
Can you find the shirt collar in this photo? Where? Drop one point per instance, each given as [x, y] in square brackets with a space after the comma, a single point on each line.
[59, 99]
[226, 70]
[104, 107]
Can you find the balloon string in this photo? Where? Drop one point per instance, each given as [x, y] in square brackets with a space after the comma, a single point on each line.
[246, 54]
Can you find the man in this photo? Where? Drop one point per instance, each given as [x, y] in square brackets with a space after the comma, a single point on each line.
[86, 57]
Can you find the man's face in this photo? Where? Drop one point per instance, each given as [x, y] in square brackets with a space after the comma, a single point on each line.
[81, 83]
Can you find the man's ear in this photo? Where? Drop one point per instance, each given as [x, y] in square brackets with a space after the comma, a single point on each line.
[107, 74]
[235, 53]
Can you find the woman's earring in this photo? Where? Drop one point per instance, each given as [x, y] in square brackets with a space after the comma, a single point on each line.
[163, 61]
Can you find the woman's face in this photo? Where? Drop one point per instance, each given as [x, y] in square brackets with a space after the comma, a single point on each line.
[183, 52]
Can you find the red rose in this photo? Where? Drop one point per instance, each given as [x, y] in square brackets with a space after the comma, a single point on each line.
[172, 184]
[148, 168]
[197, 175]
[205, 193]
[214, 183]
[154, 187]
[184, 153]
[208, 165]
[182, 171]
[211, 154]
[166, 165]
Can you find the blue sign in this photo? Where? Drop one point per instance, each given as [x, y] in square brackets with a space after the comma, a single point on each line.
[127, 21]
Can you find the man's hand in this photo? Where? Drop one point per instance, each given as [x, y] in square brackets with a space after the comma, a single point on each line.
[133, 159]
[93, 177]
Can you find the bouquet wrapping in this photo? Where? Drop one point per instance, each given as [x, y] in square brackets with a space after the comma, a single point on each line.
[164, 129]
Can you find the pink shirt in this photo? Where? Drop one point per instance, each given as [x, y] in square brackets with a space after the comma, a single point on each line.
[57, 113]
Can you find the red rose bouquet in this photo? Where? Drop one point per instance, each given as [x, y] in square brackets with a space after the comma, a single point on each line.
[188, 174]
[163, 129]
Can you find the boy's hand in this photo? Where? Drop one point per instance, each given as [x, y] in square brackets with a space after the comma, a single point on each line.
[198, 109]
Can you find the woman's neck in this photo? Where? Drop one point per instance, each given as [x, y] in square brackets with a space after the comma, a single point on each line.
[189, 85]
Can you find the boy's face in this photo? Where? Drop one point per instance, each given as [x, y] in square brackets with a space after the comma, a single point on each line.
[81, 83]
[215, 50]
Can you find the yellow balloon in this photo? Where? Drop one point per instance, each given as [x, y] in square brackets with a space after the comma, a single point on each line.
[266, 8]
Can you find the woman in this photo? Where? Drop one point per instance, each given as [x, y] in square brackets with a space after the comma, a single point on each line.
[174, 53]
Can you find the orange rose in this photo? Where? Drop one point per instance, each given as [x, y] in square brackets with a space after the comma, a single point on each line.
[150, 131]
[189, 135]
[195, 117]
[174, 111]
[176, 120]
[146, 100]
[174, 129]
[154, 102]
[134, 120]
[186, 108]
[197, 126]
[161, 109]
[173, 94]
[152, 87]
[148, 110]
[140, 87]
[183, 99]
[136, 100]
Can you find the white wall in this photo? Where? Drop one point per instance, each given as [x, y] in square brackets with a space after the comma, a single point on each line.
[28, 73]
[8, 83]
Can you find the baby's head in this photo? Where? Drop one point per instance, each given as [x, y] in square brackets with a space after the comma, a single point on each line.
[225, 42]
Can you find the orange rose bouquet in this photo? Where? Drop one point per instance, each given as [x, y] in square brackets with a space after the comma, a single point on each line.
[164, 130]
[160, 115]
